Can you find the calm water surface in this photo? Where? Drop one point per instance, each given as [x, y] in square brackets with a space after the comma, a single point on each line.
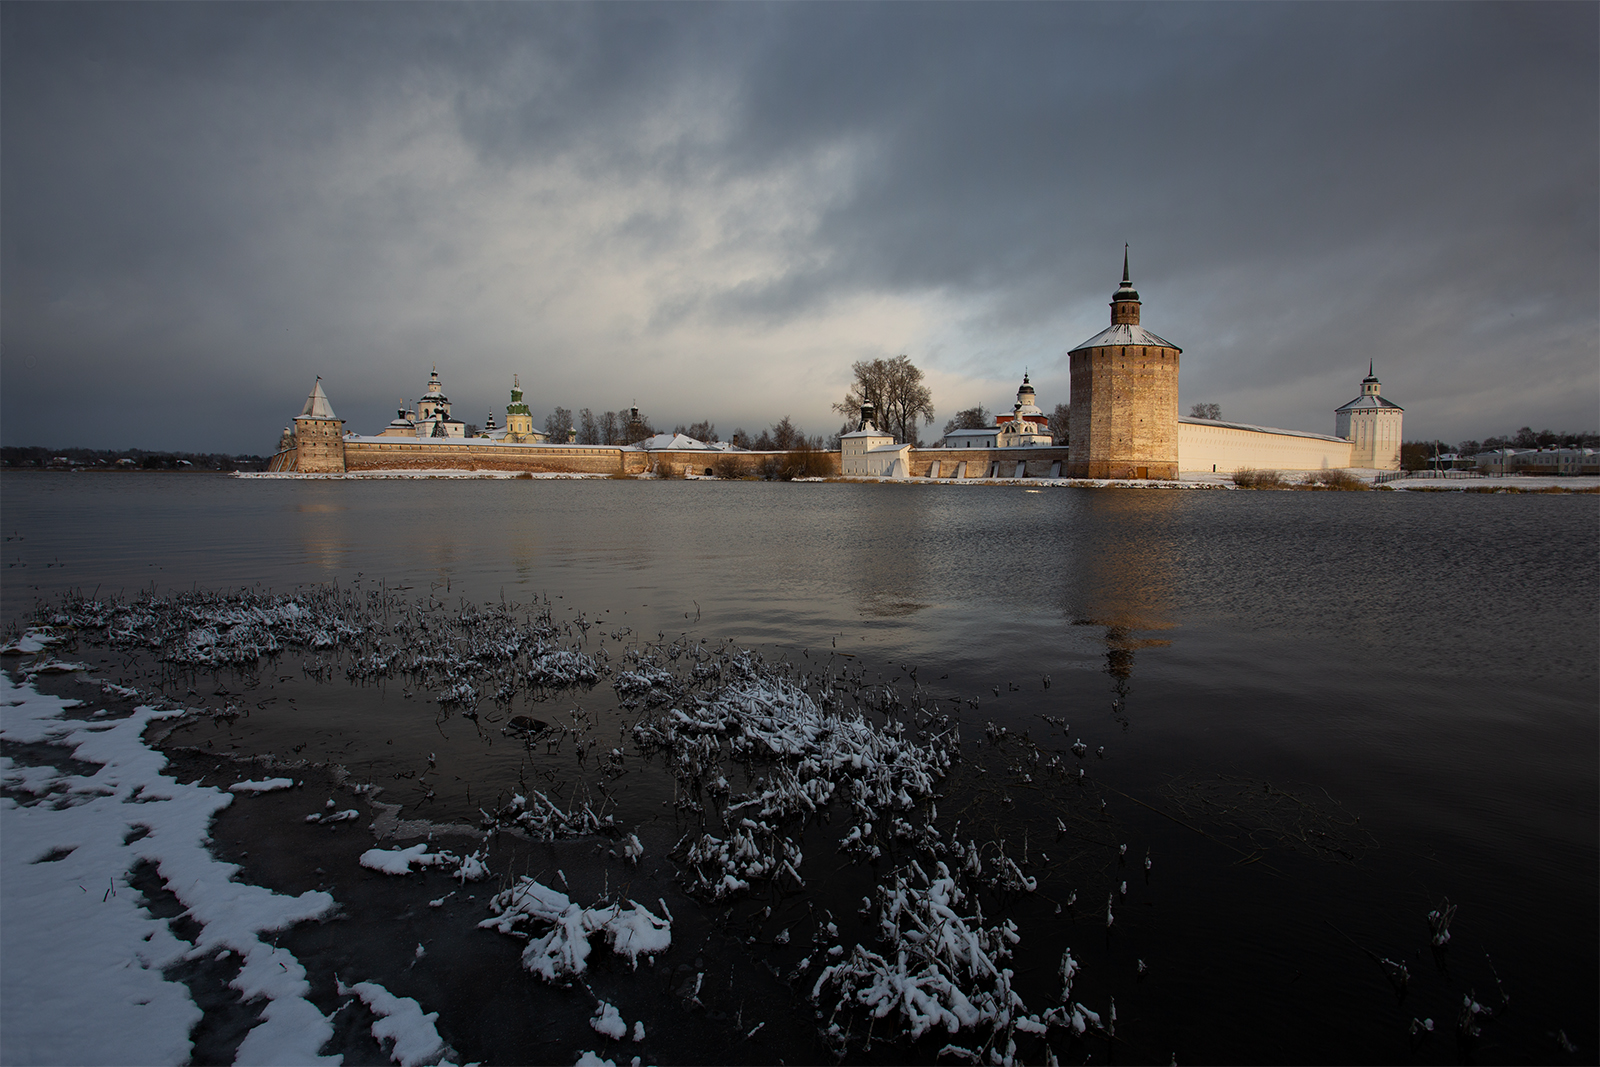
[1425, 661]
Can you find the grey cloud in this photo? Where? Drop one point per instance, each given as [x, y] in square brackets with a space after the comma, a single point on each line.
[1302, 185]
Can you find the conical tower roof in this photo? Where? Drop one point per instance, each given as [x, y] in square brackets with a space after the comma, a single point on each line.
[317, 406]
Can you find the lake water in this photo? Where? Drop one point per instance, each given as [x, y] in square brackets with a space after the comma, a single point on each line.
[1321, 713]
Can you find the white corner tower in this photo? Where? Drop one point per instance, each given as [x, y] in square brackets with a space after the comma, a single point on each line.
[1372, 426]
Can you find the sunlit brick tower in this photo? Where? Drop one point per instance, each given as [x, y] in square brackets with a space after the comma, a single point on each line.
[319, 436]
[1123, 418]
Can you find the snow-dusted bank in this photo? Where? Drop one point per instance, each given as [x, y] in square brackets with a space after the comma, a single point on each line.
[82, 968]
[88, 974]
[759, 756]
[794, 803]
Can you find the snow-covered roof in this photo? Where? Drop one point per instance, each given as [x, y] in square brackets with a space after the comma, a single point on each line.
[317, 406]
[888, 448]
[1260, 429]
[1124, 333]
[988, 431]
[675, 442]
[1369, 400]
[1023, 426]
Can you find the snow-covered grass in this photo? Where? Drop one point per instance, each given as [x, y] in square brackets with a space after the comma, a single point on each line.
[764, 719]
[759, 755]
[561, 951]
[401, 861]
[82, 960]
[941, 970]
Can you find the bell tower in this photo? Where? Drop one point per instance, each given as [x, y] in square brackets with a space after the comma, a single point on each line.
[519, 420]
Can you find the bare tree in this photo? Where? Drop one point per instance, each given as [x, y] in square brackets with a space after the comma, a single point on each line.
[895, 390]
[1058, 423]
[977, 418]
[704, 430]
[740, 439]
[1206, 411]
[634, 426]
[785, 436]
[558, 425]
[588, 428]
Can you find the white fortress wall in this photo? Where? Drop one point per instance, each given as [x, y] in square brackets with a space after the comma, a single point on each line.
[1205, 444]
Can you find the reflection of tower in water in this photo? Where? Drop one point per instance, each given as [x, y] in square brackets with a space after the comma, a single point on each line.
[1127, 580]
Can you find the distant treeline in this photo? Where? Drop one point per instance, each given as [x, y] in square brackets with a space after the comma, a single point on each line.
[1414, 455]
[127, 459]
[631, 426]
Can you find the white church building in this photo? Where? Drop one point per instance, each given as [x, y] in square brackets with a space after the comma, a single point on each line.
[871, 453]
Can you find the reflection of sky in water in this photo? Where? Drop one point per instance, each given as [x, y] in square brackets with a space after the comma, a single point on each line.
[975, 577]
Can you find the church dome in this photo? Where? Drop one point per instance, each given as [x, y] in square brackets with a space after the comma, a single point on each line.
[1027, 401]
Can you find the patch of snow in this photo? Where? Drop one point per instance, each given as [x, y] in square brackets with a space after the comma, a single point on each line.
[608, 1021]
[400, 860]
[267, 785]
[34, 639]
[407, 1034]
[81, 959]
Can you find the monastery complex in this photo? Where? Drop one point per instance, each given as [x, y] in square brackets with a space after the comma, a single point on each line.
[1123, 424]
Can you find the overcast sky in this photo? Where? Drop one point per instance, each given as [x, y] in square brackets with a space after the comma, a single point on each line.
[713, 210]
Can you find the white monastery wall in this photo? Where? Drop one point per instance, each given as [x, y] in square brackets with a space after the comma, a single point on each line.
[1205, 445]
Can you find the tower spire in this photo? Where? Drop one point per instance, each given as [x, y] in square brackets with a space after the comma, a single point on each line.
[1125, 301]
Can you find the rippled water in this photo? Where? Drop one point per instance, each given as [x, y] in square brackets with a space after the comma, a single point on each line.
[1425, 661]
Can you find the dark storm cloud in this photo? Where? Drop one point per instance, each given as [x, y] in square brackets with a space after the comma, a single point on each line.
[205, 205]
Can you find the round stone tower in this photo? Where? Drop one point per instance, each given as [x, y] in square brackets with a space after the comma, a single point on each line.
[1123, 418]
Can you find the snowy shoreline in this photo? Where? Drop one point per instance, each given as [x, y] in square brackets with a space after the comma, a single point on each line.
[386, 475]
[692, 791]
[801, 746]
[1188, 480]
[68, 955]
